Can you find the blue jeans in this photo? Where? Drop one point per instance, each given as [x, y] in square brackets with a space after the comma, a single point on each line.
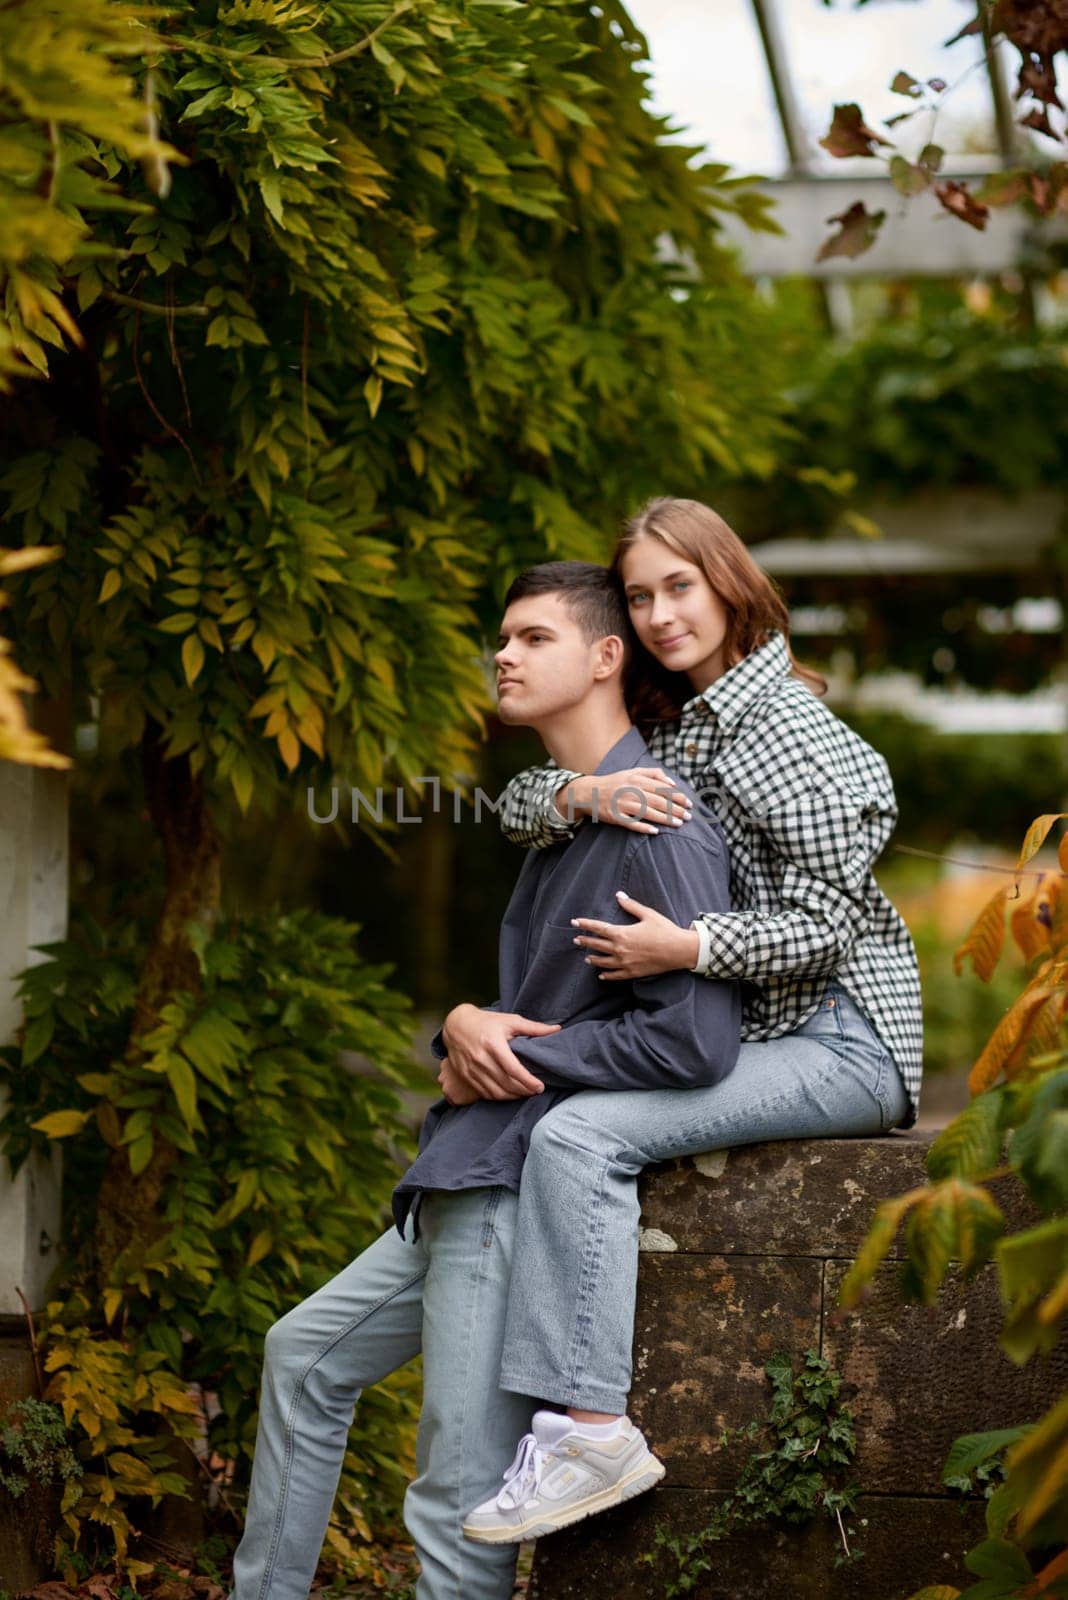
[570, 1322]
[444, 1294]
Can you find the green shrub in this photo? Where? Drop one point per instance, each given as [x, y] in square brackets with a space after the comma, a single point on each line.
[280, 1162]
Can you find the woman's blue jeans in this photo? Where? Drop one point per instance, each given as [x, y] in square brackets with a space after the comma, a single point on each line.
[570, 1322]
[444, 1294]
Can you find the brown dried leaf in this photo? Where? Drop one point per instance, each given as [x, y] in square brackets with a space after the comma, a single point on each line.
[905, 83]
[858, 232]
[1039, 120]
[1040, 79]
[974, 26]
[960, 202]
[849, 134]
[1002, 188]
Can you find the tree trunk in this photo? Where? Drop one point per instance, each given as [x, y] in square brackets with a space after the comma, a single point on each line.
[177, 805]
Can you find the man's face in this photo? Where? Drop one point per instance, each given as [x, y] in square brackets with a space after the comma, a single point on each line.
[544, 663]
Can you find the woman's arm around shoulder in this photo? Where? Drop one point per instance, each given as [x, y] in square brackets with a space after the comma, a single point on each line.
[529, 815]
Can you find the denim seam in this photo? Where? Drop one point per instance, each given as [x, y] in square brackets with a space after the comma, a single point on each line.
[593, 1254]
[298, 1394]
[493, 1201]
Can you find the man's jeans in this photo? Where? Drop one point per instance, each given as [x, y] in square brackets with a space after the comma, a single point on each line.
[570, 1323]
[444, 1294]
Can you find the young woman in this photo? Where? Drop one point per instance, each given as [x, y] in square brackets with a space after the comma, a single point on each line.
[831, 997]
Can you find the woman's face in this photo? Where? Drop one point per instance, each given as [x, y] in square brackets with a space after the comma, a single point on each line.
[677, 615]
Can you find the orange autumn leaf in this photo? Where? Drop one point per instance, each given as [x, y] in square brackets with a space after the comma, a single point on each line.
[984, 941]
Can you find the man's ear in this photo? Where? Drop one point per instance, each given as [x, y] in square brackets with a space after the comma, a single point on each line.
[610, 653]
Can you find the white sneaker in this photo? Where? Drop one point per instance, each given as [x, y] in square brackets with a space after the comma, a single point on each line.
[560, 1476]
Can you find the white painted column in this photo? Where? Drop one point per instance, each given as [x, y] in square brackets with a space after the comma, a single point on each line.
[34, 862]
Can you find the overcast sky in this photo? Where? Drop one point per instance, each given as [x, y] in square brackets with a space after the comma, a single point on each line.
[709, 73]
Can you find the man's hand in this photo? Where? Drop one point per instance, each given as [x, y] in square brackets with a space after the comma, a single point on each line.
[477, 1042]
[453, 1087]
[643, 799]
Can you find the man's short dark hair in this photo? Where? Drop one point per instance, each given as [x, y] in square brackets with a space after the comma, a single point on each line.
[590, 593]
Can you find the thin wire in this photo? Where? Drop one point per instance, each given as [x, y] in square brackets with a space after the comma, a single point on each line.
[982, 866]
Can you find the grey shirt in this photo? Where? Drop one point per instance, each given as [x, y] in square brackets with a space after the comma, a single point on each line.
[673, 1030]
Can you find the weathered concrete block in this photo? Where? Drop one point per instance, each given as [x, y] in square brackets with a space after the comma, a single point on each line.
[704, 1327]
[920, 1376]
[902, 1542]
[796, 1197]
[744, 1252]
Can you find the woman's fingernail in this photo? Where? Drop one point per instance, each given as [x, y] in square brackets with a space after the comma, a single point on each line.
[620, 895]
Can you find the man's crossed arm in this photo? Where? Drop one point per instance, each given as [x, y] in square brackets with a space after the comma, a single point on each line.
[681, 1031]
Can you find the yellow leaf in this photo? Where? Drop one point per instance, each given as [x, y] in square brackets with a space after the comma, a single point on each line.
[289, 748]
[260, 1246]
[580, 175]
[265, 648]
[209, 631]
[192, 657]
[241, 782]
[309, 733]
[61, 1124]
[111, 585]
[1036, 835]
[112, 1303]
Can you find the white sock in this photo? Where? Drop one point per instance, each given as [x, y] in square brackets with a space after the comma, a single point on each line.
[597, 1430]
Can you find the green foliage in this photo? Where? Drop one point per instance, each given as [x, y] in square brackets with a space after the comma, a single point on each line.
[801, 1475]
[36, 1447]
[955, 785]
[65, 100]
[1020, 1098]
[940, 398]
[284, 1156]
[403, 323]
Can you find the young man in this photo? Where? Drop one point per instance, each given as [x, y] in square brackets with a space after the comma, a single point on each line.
[438, 1282]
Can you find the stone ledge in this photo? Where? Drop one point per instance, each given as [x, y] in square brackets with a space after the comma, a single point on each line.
[744, 1251]
[905, 1542]
[795, 1197]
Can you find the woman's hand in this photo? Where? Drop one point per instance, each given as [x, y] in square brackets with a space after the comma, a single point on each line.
[649, 799]
[479, 1055]
[640, 949]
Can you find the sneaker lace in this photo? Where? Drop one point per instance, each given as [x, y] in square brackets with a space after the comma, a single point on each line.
[523, 1477]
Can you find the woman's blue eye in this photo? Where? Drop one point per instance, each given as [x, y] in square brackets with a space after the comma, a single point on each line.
[683, 583]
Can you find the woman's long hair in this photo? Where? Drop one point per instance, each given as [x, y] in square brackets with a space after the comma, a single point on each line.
[753, 601]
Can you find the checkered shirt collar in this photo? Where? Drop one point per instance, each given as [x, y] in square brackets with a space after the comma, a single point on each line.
[745, 683]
